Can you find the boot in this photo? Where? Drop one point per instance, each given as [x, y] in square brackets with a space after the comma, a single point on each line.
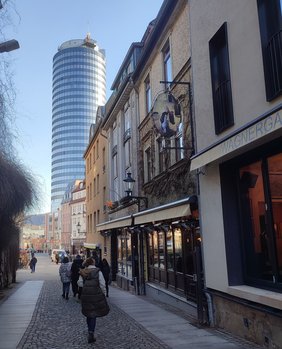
[67, 296]
[91, 338]
[63, 295]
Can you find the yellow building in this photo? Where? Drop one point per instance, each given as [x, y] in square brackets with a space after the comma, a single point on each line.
[95, 158]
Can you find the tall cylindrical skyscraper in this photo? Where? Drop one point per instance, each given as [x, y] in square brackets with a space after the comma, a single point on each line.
[79, 87]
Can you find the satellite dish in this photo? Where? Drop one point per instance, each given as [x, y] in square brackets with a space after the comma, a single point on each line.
[166, 114]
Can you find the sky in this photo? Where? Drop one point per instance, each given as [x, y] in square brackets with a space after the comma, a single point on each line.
[40, 28]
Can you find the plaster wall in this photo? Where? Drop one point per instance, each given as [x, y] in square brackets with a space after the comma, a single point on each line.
[212, 230]
[177, 32]
[246, 66]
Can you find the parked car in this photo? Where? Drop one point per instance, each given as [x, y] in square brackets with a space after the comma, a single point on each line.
[61, 253]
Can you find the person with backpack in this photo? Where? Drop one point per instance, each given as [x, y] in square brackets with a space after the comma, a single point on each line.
[32, 263]
[65, 274]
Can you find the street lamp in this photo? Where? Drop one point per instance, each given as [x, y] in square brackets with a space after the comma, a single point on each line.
[129, 183]
[8, 46]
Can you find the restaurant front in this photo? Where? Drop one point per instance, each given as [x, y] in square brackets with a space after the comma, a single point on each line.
[159, 249]
[240, 181]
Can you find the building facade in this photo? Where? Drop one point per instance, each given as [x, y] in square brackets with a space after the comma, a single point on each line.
[237, 80]
[154, 224]
[96, 163]
[78, 218]
[66, 217]
[79, 87]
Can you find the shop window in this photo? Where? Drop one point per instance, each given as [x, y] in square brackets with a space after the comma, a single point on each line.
[169, 251]
[220, 78]
[125, 255]
[178, 251]
[155, 250]
[261, 211]
[271, 41]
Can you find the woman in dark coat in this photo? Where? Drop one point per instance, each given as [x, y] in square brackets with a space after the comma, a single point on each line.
[93, 300]
[106, 270]
[76, 266]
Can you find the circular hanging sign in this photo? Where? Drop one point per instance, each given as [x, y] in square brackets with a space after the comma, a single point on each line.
[166, 114]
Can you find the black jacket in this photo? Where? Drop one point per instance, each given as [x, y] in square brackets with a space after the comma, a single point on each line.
[76, 265]
[93, 300]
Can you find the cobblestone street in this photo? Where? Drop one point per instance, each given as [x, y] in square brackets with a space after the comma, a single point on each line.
[33, 315]
[58, 323]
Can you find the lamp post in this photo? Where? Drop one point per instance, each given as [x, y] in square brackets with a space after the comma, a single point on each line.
[129, 183]
[10, 45]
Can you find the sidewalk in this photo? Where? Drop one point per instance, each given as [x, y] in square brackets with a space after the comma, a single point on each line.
[173, 330]
[16, 313]
[136, 317]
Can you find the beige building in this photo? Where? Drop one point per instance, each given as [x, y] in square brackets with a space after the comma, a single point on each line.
[152, 221]
[95, 157]
[78, 217]
[66, 218]
[237, 88]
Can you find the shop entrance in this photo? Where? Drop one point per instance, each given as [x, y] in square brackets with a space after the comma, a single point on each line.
[173, 263]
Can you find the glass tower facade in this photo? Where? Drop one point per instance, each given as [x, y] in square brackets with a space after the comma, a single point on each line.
[79, 87]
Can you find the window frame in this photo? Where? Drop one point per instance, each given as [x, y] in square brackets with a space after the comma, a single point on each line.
[148, 95]
[221, 80]
[270, 24]
[234, 216]
[167, 64]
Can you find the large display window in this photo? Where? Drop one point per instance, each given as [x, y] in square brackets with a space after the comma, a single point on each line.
[125, 254]
[171, 257]
[260, 188]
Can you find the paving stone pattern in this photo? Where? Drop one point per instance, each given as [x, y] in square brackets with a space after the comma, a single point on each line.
[59, 324]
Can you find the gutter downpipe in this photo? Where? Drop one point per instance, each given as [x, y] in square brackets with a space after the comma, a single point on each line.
[210, 308]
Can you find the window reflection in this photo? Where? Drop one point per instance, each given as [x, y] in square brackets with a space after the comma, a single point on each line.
[161, 250]
[275, 181]
[124, 255]
[261, 207]
[178, 250]
[169, 249]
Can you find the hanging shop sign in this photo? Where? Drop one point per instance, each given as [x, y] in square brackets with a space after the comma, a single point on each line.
[166, 114]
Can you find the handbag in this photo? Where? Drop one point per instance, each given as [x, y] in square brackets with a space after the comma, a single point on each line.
[80, 281]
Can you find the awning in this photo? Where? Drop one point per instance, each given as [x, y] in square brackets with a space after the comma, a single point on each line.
[173, 210]
[252, 132]
[176, 209]
[115, 223]
[91, 246]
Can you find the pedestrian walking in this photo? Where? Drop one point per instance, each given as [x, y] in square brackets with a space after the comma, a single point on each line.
[65, 274]
[76, 266]
[57, 258]
[32, 263]
[93, 300]
[106, 270]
